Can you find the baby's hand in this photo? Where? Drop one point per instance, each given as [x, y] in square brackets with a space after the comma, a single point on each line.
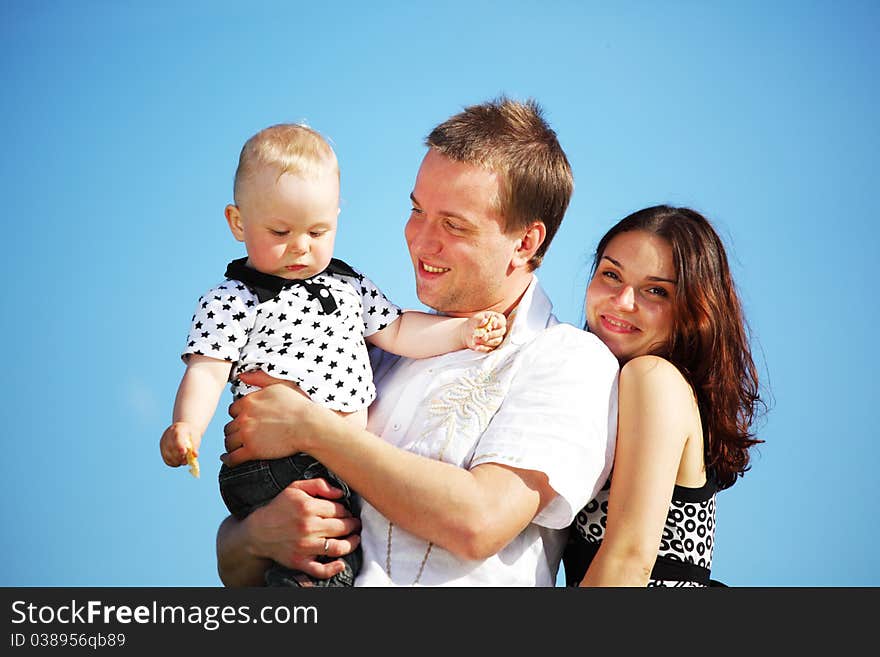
[485, 330]
[180, 446]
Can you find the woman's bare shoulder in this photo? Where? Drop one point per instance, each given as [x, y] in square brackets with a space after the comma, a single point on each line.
[658, 376]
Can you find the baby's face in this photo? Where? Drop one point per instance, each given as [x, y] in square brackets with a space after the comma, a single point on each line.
[288, 223]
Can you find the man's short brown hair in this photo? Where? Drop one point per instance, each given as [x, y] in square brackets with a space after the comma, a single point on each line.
[512, 139]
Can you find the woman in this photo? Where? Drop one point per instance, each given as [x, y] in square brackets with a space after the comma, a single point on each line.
[662, 298]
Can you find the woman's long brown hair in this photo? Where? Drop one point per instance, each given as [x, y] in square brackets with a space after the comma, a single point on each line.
[709, 342]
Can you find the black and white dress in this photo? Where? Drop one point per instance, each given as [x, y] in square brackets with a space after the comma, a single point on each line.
[685, 554]
[307, 331]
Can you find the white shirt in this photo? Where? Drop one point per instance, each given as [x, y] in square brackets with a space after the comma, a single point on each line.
[545, 400]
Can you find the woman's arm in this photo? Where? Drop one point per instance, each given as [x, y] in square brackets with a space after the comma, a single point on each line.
[656, 417]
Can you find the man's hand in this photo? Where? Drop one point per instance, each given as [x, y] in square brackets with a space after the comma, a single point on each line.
[268, 423]
[291, 530]
[293, 527]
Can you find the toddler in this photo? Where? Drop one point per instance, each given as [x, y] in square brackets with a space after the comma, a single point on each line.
[292, 310]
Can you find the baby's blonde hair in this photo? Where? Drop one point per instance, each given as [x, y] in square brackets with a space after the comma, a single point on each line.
[292, 148]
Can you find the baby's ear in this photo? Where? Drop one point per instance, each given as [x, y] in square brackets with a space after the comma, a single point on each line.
[233, 218]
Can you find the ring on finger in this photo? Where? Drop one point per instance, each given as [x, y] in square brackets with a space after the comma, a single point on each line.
[326, 545]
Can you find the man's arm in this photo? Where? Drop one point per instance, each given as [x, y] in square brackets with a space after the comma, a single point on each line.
[237, 565]
[471, 513]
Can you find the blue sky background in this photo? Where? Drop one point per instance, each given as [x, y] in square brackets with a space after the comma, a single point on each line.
[121, 124]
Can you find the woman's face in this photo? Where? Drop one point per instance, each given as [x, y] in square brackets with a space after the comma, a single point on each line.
[630, 298]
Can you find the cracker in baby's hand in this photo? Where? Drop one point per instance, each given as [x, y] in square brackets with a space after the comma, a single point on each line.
[487, 325]
[192, 462]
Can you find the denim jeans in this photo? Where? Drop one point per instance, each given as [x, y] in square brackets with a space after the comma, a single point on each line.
[253, 484]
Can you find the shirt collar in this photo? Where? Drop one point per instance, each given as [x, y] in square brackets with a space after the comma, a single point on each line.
[532, 314]
[268, 286]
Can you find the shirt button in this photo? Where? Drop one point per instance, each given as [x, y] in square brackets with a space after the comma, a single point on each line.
[396, 427]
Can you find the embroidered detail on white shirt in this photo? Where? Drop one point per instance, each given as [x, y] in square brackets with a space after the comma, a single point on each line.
[465, 406]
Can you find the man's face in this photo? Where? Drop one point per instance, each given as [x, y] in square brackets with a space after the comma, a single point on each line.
[461, 257]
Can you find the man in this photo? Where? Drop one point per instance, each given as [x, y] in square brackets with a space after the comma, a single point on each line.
[472, 465]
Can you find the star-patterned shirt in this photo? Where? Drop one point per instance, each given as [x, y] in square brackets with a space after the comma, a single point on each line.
[289, 333]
